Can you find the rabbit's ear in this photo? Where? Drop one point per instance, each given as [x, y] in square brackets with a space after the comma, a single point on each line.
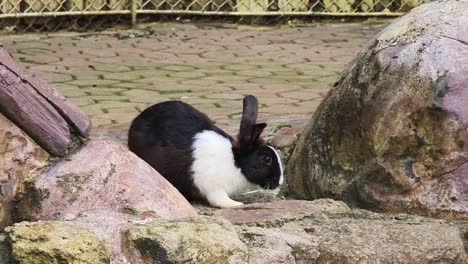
[249, 119]
[256, 132]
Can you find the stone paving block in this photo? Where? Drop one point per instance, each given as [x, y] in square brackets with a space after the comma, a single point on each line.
[48, 68]
[279, 109]
[42, 59]
[152, 73]
[273, 100]
[270, 80]
[159, 79]
[278, 87]
[226, 78]
[310, 105]
[153, 100]
[201, 82]
[54, 77]
[225, 96]
[92, 82]
[112, 97]
[122, 76]
[256, 73]
[117, 118]
[75, 60]
[112, 79]
[124, 110]
[70, 90]
[82, 101]
[305, 94]
[102, 90]
[101, 53]
[178, 68]
[93, 109]
[130, 85]
[209, 89]
[111, 68]
[140, 93]
[187, 74]
[101, 121]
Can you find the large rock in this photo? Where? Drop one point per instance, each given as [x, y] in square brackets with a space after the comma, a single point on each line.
[393, 134]
[196, 240]
[327, 231]
[54, 242]
[21, 159]
[101, 175]
[39, 109]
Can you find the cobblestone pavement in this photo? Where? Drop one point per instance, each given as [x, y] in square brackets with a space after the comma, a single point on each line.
[114, 75]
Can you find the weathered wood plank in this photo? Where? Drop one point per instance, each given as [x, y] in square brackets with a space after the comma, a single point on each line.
[20, 103]
[79, 121]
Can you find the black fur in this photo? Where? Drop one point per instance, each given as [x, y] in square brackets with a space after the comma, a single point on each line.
[162, 135]
[256, 169]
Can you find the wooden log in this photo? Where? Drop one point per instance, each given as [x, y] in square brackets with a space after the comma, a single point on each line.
[38, 109]
[79, 121]
[20, 103]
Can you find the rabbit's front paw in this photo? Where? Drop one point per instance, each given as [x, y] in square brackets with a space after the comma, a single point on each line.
[221, 200]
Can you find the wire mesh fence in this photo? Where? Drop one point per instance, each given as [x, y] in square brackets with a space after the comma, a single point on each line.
[85, 14]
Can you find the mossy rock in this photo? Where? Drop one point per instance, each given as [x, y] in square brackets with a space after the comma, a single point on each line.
[195, 240]
[54, 242]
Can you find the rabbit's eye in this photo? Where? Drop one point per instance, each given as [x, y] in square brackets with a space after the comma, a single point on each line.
[266, 160]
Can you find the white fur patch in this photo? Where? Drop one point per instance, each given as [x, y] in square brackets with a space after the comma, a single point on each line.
[280, 165]
[213, 168]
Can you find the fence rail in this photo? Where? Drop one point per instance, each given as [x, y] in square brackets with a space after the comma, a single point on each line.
[17, 9]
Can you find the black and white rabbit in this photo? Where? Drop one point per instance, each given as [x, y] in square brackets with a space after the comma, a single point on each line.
[201, 160]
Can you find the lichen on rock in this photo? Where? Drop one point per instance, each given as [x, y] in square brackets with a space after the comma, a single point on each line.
[195, 240]
[55, 242]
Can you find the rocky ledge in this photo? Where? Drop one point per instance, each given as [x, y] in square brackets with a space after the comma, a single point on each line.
[283, 231]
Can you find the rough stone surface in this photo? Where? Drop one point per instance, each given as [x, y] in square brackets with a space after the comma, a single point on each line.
[196, 240]
[41, 111]
[55, 242]
[320, 231]
[5, 249]
[393, 134]
[278, 212]
[110, 227]
[21, 159]
[102, 175]
[327, 231]
[355, 241]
